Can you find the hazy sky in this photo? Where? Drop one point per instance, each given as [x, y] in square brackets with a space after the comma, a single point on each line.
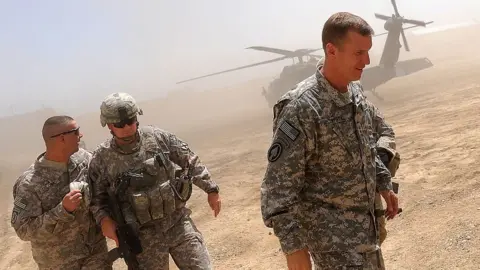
[70, 54]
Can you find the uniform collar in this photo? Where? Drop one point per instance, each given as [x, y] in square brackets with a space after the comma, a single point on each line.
[42, 162]
[339, 98]
[127, 149]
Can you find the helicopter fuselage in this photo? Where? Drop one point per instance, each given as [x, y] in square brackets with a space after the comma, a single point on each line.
[391, 50]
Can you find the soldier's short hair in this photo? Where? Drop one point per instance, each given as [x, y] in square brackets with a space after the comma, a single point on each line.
[52, 122]
[339, 24]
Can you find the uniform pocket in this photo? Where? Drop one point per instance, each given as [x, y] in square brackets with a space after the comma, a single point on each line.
[156, 203]
[168, 197]
[141, 206]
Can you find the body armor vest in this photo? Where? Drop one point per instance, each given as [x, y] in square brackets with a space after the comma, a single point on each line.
[154, 191]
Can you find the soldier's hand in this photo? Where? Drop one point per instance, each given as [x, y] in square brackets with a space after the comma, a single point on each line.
[109, 229]
[72, 200]
[392, 203]
[299, 260]
[214, 202]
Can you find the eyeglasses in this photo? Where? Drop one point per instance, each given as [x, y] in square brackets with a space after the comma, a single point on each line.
[75, 130]
[125, 122]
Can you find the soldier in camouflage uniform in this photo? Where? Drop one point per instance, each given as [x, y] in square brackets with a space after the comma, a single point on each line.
[318, 193]
[51, 203]
[390, 157]
[150, 205]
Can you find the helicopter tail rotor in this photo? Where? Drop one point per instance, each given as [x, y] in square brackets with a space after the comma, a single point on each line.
[397, 21]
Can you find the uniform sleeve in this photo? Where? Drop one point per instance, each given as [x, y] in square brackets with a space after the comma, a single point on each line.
[183, 156]
[386, 144]
[385, 134]
[383, 176]
[99, 188]
[284, 178]
[28, 219]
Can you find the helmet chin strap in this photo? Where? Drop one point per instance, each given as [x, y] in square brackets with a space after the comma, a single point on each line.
[128, 139]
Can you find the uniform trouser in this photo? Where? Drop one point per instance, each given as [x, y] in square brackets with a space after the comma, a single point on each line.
[325, 259]
[348, 261]
[381, 220]
[183, 242]
[97, 260]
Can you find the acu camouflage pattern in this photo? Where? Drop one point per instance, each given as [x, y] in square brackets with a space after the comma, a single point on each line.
[153, 211]
[320, 183]
[183, 242]
[59, 239]
[109, 109]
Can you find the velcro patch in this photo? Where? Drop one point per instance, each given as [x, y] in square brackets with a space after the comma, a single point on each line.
[275, 152]
[289, 130]
[20, 204]
[15, 214]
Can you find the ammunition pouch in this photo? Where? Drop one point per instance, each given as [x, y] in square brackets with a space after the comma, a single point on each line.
[149, 197]
[156, 192]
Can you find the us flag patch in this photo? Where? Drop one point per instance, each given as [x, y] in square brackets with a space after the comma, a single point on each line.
[289, 130]
[19, 203]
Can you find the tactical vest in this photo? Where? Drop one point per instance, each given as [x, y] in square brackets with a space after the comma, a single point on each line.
[155, 191]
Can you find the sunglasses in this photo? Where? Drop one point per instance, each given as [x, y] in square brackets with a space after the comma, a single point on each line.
[75, 130]
[125, 122]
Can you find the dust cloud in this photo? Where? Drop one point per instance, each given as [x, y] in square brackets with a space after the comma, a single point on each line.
[434, 113]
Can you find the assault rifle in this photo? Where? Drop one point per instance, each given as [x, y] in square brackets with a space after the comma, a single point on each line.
[129, 245]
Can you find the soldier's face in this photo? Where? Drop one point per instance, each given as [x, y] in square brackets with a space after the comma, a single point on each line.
[71, 138]
[124, 129]
[352, 56]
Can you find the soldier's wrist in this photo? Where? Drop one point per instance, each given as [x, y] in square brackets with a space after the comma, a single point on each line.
[291, 243]
[215, 189]
[63, 213]
[105, 219]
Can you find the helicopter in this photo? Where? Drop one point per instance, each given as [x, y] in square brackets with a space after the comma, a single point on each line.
[388, 68]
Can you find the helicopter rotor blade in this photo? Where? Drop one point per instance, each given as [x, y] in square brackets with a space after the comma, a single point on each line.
[394, 3]
[272, 50]
[296, 53]
[237, 68]
[405, 28]
[382, 17]
[407, 48]
[415, 22]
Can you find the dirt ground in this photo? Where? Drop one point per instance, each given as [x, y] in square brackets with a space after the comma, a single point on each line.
[434, 113]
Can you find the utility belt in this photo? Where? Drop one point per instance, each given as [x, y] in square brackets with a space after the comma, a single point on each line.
[151, 196]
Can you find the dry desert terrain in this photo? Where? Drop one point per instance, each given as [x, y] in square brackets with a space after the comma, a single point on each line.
[435, 114]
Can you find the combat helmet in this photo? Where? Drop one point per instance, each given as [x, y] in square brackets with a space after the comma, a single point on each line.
[117, 107]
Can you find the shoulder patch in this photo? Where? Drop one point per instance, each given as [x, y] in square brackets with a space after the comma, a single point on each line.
[14, 216]
[289, 130]
[275, 151]
[19, 205]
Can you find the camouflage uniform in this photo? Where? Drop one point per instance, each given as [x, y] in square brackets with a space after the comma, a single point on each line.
[391, 159]
[150, 206]
[59, 239]
[319, 187]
